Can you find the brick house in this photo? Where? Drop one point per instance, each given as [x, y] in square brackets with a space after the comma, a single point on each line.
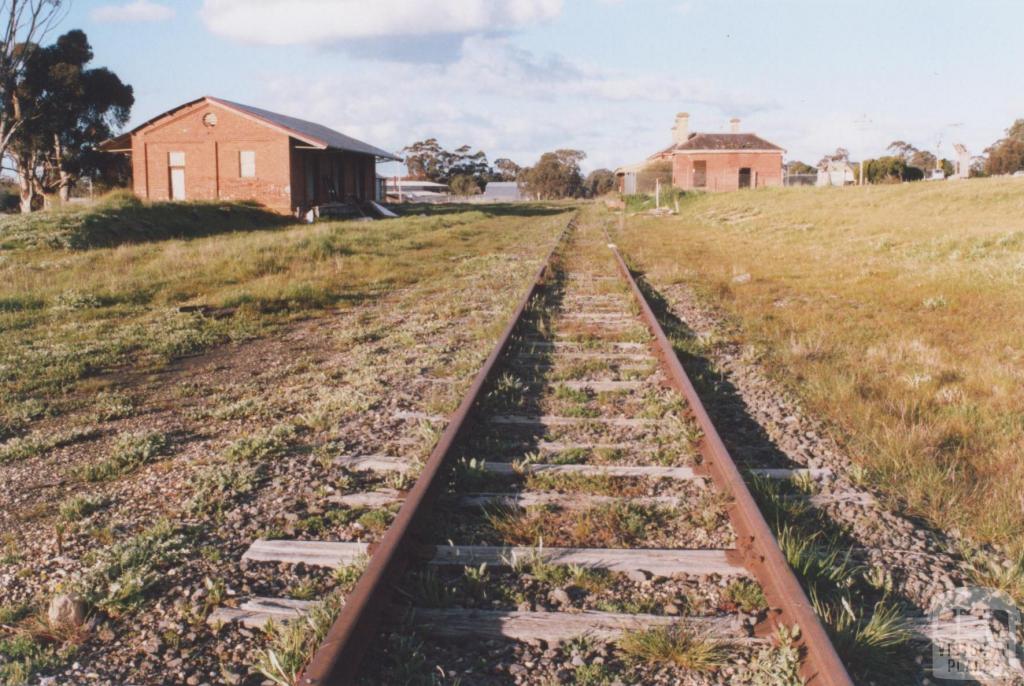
[214, 149]
[720, 161]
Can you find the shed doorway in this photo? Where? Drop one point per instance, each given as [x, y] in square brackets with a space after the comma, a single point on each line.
[744, 177]
[176, 162]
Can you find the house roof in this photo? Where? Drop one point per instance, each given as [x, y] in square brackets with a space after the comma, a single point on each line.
[308, 132]
[635, 167]
[720, 142]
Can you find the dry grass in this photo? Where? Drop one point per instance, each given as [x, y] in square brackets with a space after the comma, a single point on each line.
[616, 525]
[895, 312]
[673, 645]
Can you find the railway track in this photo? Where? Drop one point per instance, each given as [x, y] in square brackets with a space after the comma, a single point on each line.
[579, 521]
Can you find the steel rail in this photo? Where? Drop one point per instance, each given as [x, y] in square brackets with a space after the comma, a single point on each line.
[336, 661]
[755, 541]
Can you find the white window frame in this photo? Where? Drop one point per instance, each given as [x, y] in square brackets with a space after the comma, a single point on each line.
[247, 167]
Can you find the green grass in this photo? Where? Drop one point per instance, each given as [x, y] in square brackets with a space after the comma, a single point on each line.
[673, 645]
[292, 644]
[120, 578]
[34, 445]
[69, 314]
[778, 664]
[21, 657]
[615, 525]
[79, 507]
[855, 602]
[237, 472]
[746, 595]
[131, 451]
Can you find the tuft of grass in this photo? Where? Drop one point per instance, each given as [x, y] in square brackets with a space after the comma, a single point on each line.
[34, 445]
[989, 571]
[239, 470]
[779, 664]
[79, 507]
[673, 645]
[22, 448]
[131, 451]
[217, 485]
[824, 567]
[348, 575]
[22, 657]
[119, 580]
[111, 406]
[376, 521]
[599, 484]
[746, 595]
[426, 588]
[471, 475]
[292, 644]
[509, 392]
[620, 524]
[871, 642]
[589, 579]
[592, 675]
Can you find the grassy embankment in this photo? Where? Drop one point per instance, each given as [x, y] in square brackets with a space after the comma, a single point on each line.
[895, 312]
[70, 310]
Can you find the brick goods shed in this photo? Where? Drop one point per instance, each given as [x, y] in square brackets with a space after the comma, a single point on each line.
[721, 161]
[214, 149]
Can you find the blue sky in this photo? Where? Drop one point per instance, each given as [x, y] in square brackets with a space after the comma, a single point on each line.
[518, 77]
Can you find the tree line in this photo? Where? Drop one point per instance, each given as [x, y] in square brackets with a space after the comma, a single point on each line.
[908, 163]
[55, 108]
[467, 171]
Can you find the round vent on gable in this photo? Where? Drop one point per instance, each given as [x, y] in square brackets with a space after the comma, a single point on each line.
[210, 119]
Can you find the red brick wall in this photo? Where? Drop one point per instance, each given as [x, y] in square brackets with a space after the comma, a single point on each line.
[723, 169]
[212, 167]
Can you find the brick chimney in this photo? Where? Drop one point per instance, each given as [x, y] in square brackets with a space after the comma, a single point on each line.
[681, 131]
[734, 125]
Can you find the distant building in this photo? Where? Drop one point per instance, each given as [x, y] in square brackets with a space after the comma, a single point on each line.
[720, 161]
[626, 177]
[962, 168]
[501, 191]
[416, 190]
[214, 149]
[836, 173]
[644, 177]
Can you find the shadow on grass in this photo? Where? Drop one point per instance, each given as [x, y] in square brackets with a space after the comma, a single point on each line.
[121, 218]
[503, 209]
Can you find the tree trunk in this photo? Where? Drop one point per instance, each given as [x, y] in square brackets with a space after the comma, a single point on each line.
[64, 178]
[28, 192]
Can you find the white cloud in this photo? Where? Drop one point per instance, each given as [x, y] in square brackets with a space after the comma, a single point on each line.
[503, 99]
[139, 10]
[320, 22]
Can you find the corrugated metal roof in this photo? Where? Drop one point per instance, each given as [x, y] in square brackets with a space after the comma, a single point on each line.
[307, 131]
[318, 132]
